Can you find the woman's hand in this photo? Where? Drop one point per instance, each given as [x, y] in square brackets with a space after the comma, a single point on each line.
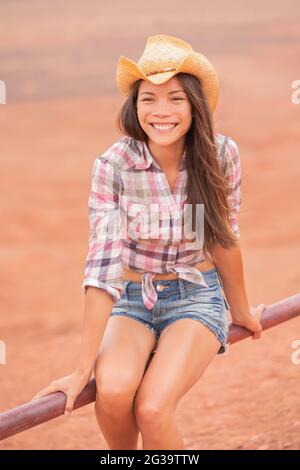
[71, 385]
[252, 321]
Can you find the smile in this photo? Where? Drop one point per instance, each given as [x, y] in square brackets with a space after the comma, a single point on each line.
[164, 128]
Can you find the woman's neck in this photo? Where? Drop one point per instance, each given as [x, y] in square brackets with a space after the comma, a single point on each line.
[168, 157]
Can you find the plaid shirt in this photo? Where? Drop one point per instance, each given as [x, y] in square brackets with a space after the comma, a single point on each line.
[126, 179]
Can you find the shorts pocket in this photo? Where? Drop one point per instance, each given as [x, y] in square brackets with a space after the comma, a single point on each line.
[134, 289]
[197, 292]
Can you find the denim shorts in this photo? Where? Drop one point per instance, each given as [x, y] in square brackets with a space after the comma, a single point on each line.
[180, 299]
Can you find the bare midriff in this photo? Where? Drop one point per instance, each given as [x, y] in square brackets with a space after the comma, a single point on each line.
[129, 275]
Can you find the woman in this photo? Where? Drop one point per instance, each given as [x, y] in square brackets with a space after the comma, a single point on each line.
[139, 282]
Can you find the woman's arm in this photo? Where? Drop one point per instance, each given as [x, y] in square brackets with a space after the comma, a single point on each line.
[230, 267]
[97, 309]
[229, 261]
[102, 283]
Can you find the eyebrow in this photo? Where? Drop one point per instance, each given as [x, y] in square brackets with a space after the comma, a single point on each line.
[170, 92]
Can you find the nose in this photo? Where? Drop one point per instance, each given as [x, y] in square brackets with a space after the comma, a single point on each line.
[162, 109]
[161, 114]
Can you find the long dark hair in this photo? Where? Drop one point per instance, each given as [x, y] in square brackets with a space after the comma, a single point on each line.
[205, 182]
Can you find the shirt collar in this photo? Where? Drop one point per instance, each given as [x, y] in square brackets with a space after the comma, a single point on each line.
[146, 158]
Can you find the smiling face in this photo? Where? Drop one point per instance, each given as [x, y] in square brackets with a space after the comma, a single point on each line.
[164, 112]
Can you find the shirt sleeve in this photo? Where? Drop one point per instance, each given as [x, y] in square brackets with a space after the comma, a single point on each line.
[232, 171]
[103, 265]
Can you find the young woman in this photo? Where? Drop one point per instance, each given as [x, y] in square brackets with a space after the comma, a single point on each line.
[152, 287]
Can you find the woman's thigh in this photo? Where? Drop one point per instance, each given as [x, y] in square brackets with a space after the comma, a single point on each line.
[123, 356]
[185, 349]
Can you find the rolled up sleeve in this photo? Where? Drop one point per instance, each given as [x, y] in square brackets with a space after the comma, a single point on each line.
[232, 171]
[103, 265]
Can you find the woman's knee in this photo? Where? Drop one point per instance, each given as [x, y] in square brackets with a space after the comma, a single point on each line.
[115, 392]
[151, 415]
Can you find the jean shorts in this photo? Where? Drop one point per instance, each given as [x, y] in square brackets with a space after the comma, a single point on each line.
[179, 299]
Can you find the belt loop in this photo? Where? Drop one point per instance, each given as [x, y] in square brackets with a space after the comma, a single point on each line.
[125, 284]
[222, 290]
[220, 279]
[181, 288]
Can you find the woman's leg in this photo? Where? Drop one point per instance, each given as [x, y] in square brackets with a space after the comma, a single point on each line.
[185, 349]
[119, 368]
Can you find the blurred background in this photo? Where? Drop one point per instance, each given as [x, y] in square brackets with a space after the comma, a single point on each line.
[58, 60]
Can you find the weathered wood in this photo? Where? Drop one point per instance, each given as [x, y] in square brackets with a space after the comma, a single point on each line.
[51, 406]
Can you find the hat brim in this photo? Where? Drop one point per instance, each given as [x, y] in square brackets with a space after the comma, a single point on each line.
[128, 72]
[199, 66]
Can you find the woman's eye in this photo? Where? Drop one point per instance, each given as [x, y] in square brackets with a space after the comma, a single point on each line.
[174, 99]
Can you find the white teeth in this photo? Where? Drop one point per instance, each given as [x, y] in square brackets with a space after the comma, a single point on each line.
[163, 127]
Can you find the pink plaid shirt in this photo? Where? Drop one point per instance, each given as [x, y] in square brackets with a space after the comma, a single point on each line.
[127, 179]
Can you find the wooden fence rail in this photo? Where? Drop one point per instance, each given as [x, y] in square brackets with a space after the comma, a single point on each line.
[32, 414]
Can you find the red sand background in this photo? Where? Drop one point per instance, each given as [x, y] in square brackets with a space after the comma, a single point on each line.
[58, 60]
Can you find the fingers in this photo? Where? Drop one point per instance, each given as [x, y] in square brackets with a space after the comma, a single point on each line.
[69, 404]
[260, 310]
[45, 391]
[256, 327]
[51, 389]
[257, 331]
[256, 335]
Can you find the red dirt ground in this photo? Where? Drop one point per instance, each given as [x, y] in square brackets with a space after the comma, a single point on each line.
[61, 106]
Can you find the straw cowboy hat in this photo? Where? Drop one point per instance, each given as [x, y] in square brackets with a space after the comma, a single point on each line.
[163, 57]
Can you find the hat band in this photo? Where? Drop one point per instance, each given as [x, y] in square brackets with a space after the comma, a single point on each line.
[166, 69]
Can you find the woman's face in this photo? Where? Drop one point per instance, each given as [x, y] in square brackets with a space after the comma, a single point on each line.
[164, 111]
